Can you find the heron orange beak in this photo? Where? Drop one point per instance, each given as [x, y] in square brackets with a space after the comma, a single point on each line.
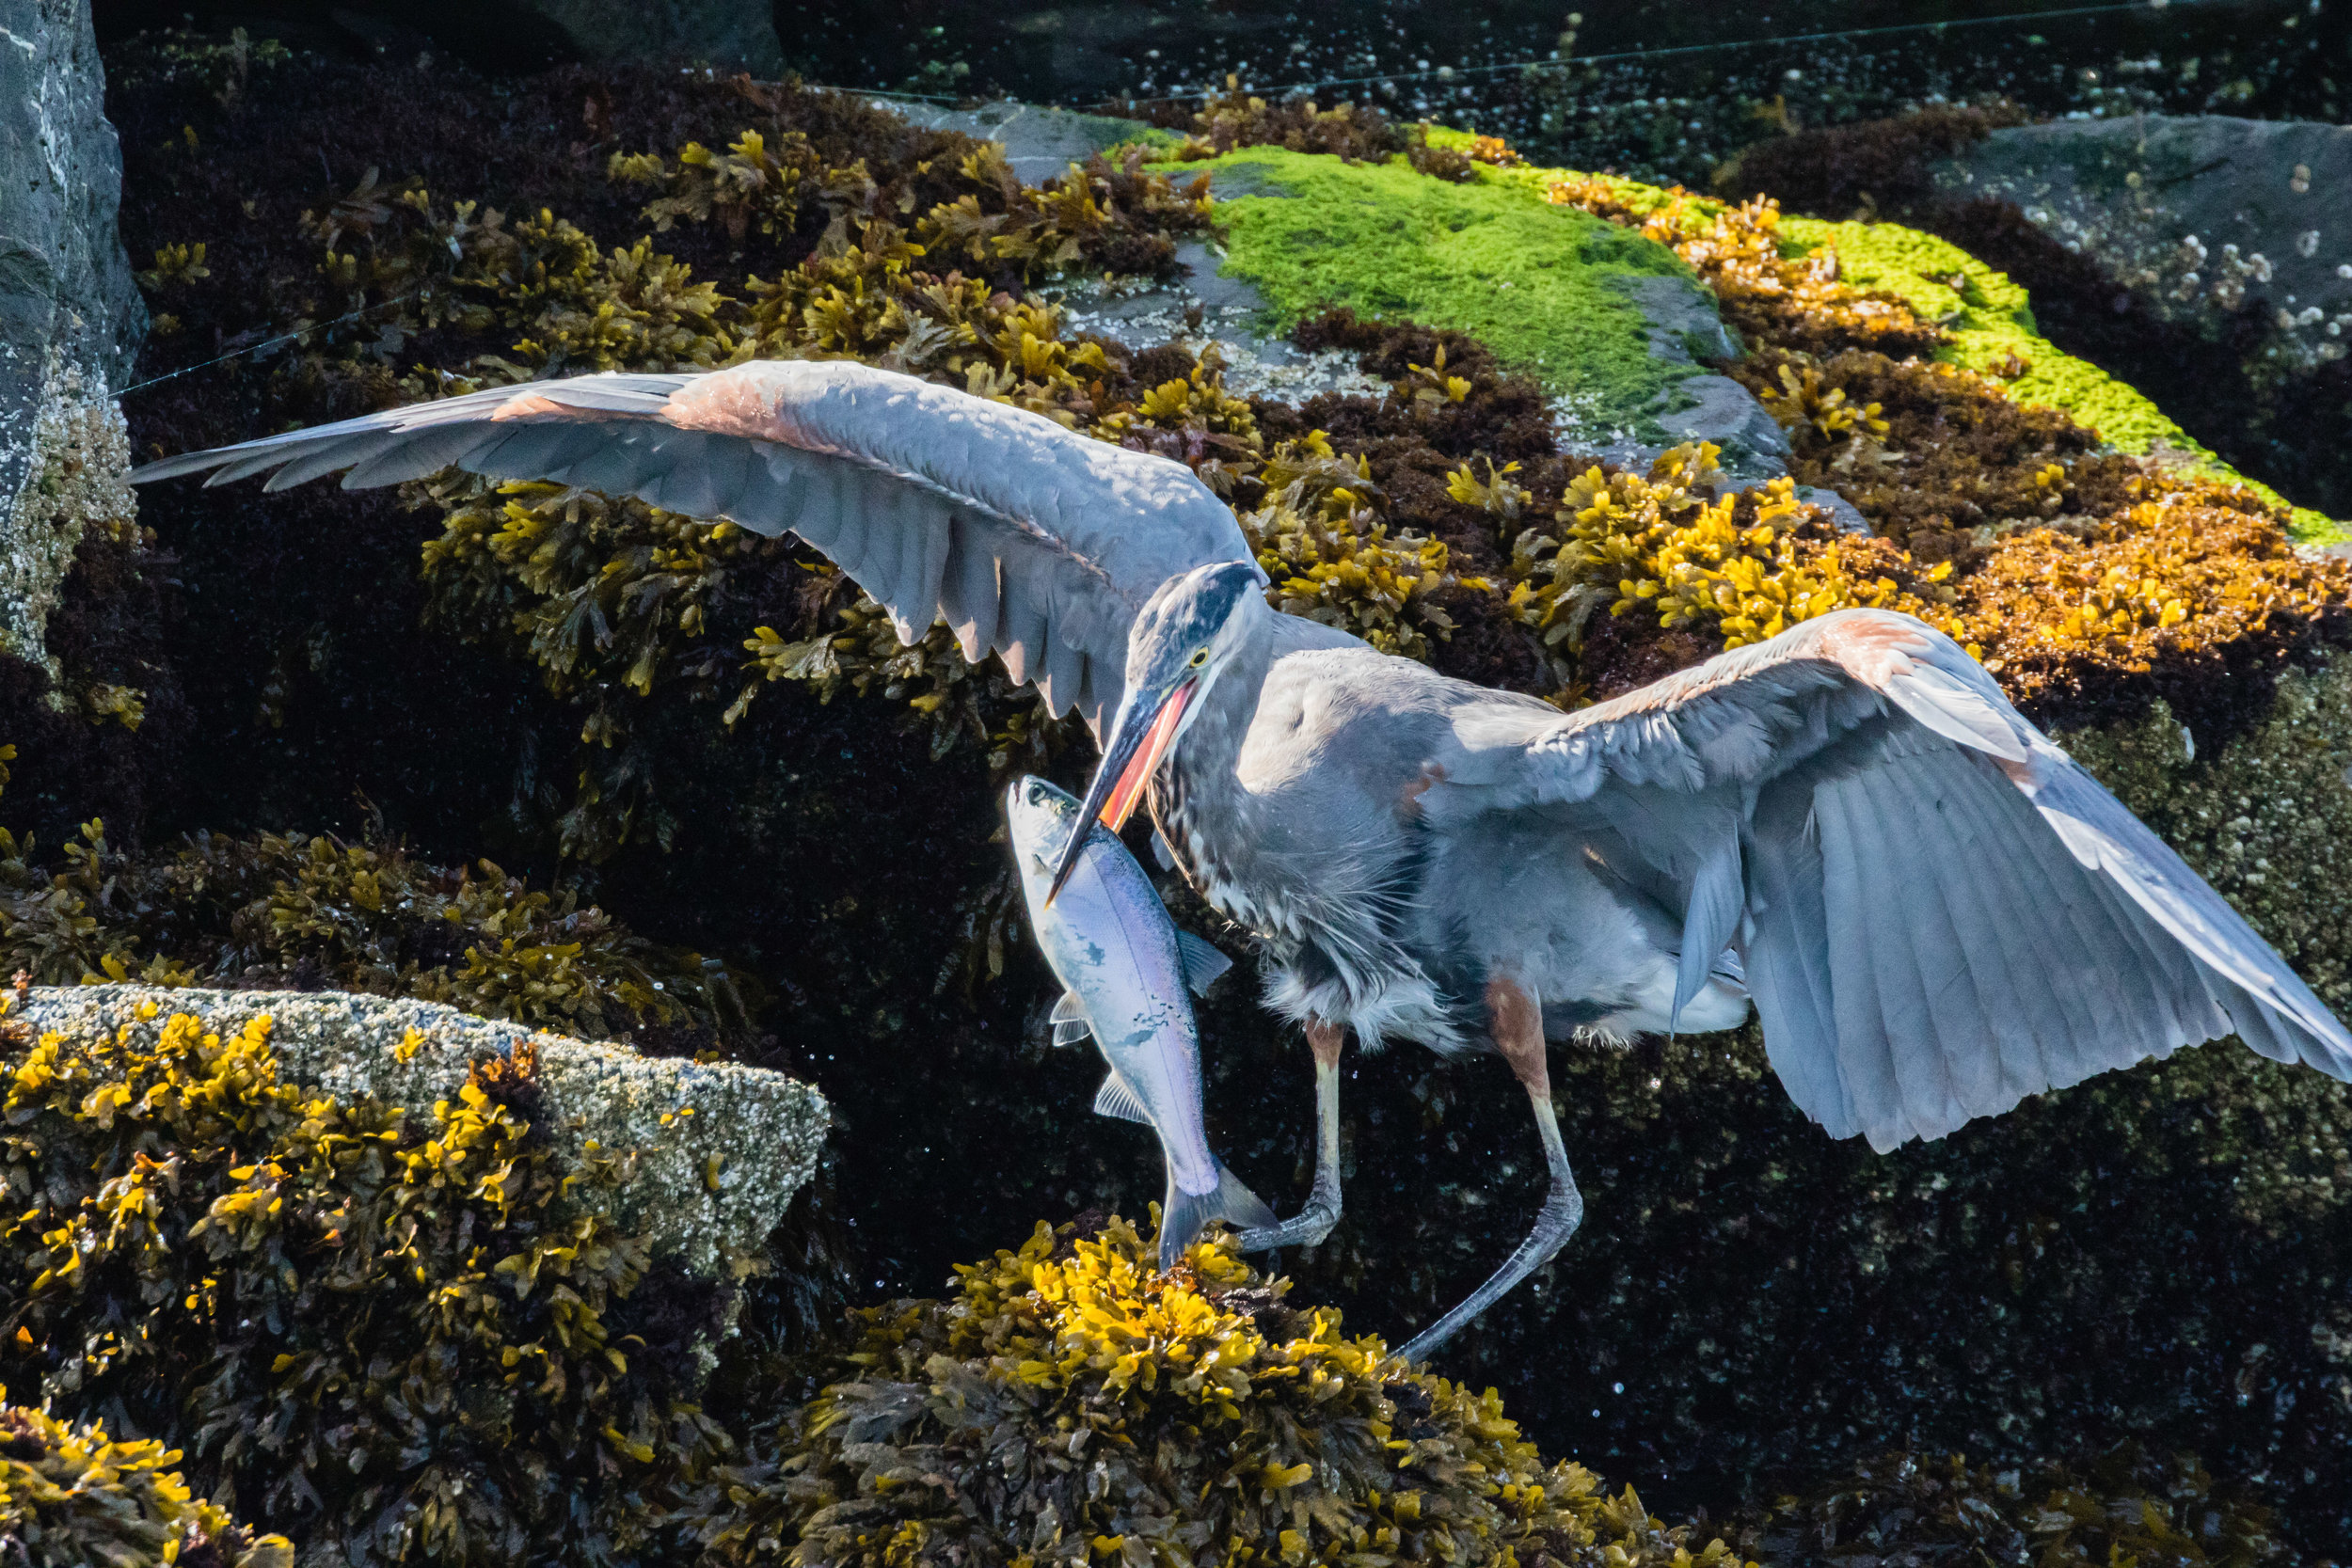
[1141, 739]
[1131, 785]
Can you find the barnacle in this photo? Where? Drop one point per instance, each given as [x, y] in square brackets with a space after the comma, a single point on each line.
[440, 1302]
[1070, 1405]
[70, 1494]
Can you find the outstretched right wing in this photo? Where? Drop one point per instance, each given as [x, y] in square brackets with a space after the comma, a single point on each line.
[1939, 912]
[1031, 541]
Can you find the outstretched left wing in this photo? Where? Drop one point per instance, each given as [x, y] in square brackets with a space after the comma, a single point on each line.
[1030, 540]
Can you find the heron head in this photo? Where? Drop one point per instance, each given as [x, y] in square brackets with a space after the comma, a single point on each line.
[1187, 632]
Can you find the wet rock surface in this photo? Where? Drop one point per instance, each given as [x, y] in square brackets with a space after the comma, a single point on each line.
[720, 33]
[71, 316]
[2196, 217]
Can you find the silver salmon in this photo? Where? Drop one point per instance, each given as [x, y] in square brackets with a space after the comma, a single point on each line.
[1124, 967]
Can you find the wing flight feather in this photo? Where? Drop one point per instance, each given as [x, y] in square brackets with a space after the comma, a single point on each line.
[1941, 913]
[1035, 541]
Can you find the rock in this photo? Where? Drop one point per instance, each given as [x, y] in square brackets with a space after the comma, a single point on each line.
[725, 33]
[70, 318]
[1683, 326]
[1842, 511]
[1727, 414]
[1040, 142]
[1203, 306]
[723, 1147]
[1685, 329]
[2193, 216]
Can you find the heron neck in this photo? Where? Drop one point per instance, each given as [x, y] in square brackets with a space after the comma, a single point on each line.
[1211, 746]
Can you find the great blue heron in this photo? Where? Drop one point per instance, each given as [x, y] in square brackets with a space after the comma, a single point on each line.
[1934, 910]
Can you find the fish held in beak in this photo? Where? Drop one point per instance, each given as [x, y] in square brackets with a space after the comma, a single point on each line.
[1141, 739]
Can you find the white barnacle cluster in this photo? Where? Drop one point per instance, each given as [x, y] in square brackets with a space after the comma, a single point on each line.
[2267, 817]
[75, 459]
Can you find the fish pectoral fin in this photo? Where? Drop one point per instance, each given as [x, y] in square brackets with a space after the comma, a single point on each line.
[1161, 853]
[1115, 1098]
[1068, 1009]
[1203, 963]
[1072, 1031]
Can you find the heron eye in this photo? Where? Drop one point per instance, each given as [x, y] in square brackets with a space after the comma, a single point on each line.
[1199, 658]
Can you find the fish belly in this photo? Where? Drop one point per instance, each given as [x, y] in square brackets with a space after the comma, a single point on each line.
[1115, 947]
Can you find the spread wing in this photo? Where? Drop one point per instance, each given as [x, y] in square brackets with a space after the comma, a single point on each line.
[1029, 540]
[1938, 911]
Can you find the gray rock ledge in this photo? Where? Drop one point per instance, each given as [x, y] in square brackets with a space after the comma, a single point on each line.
[714, 1181]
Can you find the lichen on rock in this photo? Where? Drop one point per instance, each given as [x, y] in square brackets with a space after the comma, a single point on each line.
[714, 1151]
[69, 316]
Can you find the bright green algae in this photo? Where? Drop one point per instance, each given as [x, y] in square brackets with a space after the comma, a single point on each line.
[1491, 258]
[1531, 281]
[1990, 318]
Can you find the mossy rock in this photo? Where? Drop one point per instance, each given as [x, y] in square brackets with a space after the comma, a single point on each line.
[721, 1149]
[1545, 290]
[1071, 1404]
[397, 1334]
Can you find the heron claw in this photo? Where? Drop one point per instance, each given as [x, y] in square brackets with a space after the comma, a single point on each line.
[1310, 1225]
[1308, 1228]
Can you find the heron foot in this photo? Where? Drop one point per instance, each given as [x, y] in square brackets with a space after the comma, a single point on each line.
[1562, 1212]
[1307, 1227]
[1310, 1225]
[1518, 1033]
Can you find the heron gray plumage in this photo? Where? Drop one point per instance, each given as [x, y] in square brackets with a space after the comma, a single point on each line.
[1933, 909]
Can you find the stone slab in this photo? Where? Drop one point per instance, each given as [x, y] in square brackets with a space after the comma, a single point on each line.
[712, 1181]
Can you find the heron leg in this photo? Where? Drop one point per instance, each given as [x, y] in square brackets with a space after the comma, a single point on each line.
[1312, 1224]
[1518, 1022]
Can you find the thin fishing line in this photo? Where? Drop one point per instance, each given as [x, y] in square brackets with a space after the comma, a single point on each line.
[1562, 62]
[269, 342]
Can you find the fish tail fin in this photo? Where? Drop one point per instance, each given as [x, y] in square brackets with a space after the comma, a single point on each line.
[1184, 1216]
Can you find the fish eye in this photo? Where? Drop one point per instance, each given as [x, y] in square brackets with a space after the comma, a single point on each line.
[1199, 658]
